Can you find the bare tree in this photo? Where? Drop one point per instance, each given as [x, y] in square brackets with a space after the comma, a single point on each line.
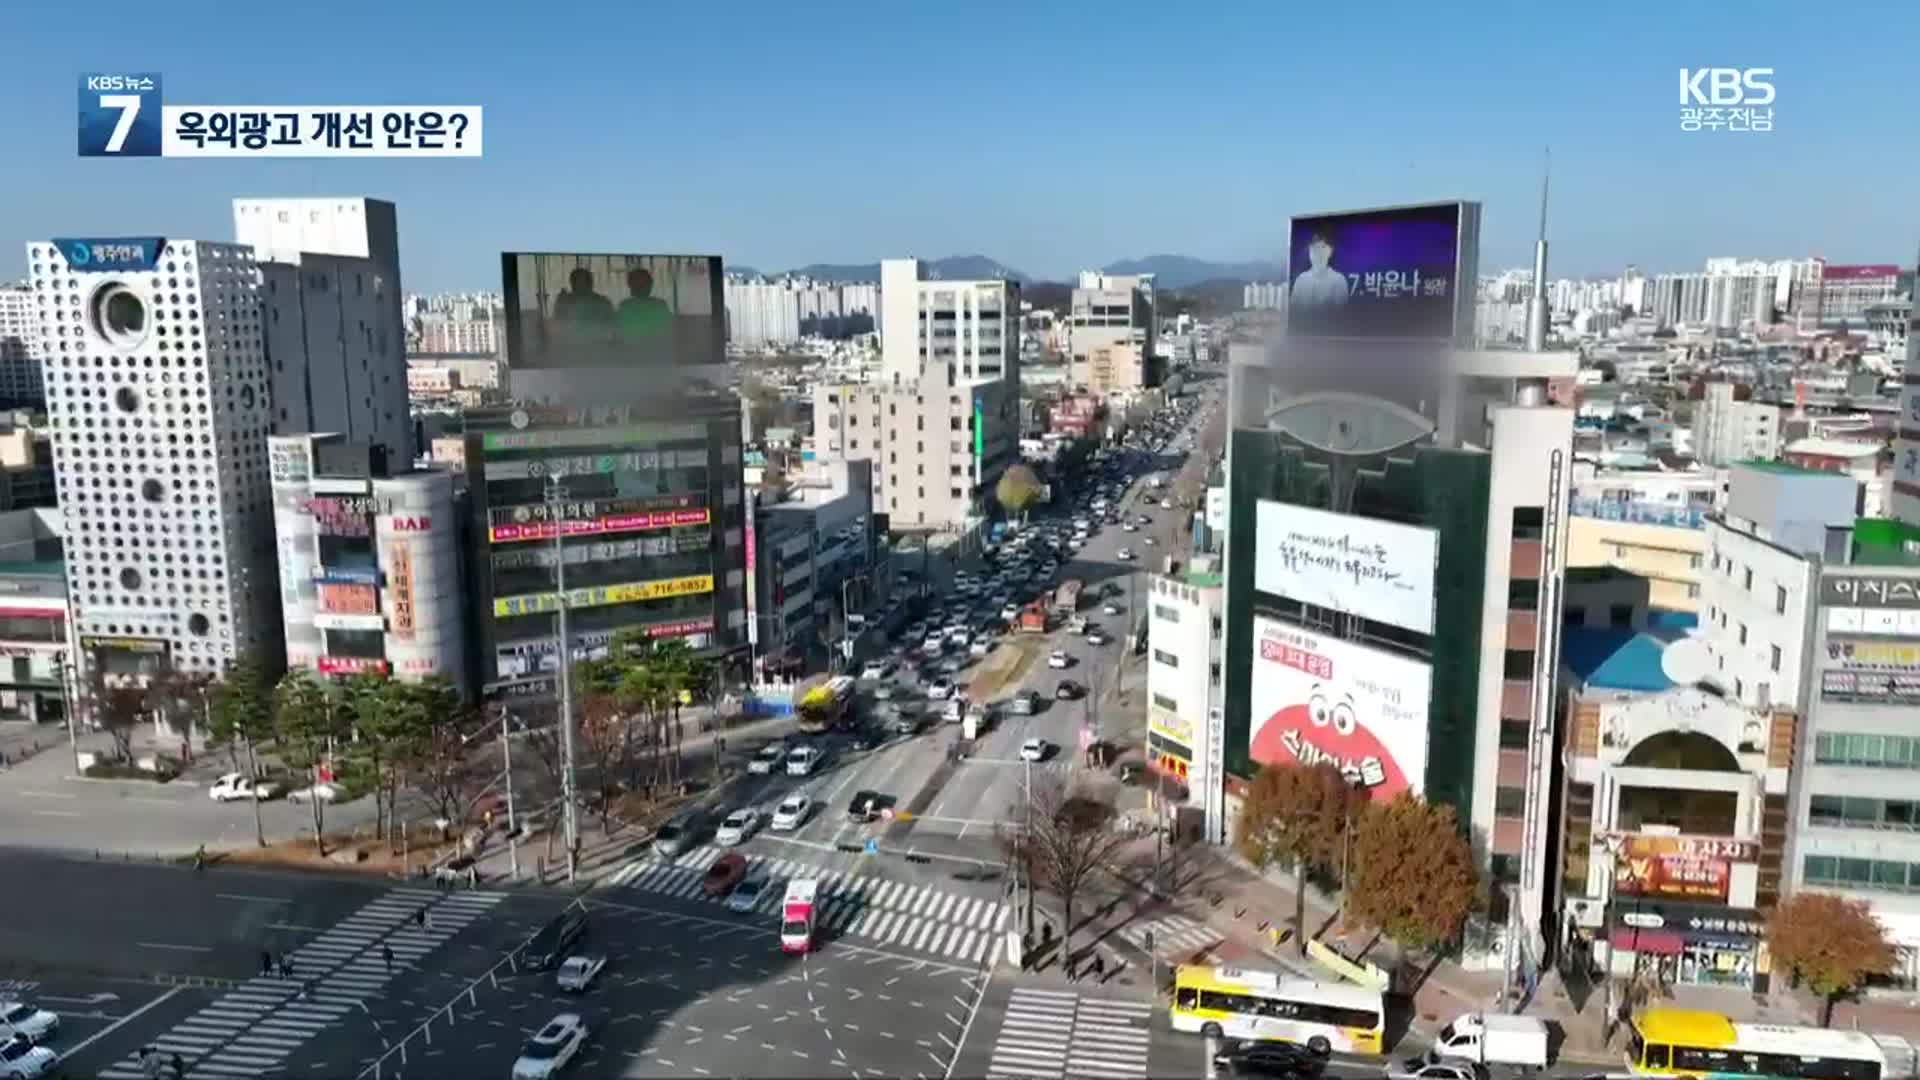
[1061, 836]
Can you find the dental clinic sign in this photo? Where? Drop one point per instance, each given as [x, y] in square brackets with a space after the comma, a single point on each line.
[1726, 99]
[1379, 570]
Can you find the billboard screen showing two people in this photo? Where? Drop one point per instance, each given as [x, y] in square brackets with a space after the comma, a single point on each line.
[637, 312]
[1393, 273]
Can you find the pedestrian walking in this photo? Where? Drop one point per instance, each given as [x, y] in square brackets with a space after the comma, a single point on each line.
[386, 953]
[1099, 965]
[179, 1068]
[286, 966]
[266, 962]
[420, 918]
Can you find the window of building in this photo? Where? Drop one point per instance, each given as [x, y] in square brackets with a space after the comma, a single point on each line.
[1779, 599]
[1518, 663]
[1165, 702]
[1509, 802]
[1523, 595]
[1514, 734]
[1169, 614]
[1749, 579]
[956, 492]
[1620, 616]
[1529, 522]
[953, 423]
[1693, 592]
[1872, 751]
[1693, 562]
[1739, 689]
[1878, 875]
[1213, 673]
[1165, 657]
[1743, 633]
[853, 444]
[1852, 812]
[1776, 657]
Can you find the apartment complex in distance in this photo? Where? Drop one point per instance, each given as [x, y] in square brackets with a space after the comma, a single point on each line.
[942, 422]
[20, 377]
[1111, 332]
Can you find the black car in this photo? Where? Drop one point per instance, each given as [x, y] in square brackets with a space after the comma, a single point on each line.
[556, 939]
[1068, 690]
[865, 806]
[1277, 1059]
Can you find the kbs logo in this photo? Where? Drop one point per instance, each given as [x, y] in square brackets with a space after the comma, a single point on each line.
[1726, 99]
[120, 115]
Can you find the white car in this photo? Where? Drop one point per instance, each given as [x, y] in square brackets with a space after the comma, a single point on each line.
[934, 642]
[20, 1058]
[1124, 554]
[551, 1048]
[324, 792]
[577, 973]
[770, 755]
[875, 670]
[20, 1018]
[1149, 541]
[791, 813]
[1033, 750]
[1058, 660]
[801, 761]
[940, 690]
[238, 786]
[1097, 637]
[1010, 612]
[1129, 527]
[1110, 609]
[980, 647]
[736, 828]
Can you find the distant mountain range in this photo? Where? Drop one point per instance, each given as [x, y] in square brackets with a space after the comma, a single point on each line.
[1170, 271]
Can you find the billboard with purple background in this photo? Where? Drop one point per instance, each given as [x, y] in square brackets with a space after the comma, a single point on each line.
[1391, 273]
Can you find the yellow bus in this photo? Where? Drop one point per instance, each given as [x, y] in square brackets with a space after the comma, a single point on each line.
[1243, 1004]
[1701, 1045]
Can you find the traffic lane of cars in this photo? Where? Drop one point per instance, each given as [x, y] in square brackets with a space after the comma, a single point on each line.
[692, 989]
[102, 1020]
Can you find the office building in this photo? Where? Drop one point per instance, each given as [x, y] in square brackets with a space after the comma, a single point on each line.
[158, 392]
[942, 422]
[1113, 334]
[1184, 643]
[20, 378]
[33, 618]
[370, 562]
[26, 464]
[1843, 294]
[969, 328]
[336, 340]
[811, 566]
[1729, 426]
[646, 503]
[1856, 810]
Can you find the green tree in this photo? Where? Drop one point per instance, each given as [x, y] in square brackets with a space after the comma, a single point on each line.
[239, 718]
[1830, 943]
[1017, 490]
[1413, 876]
[306, 722]
[442, 759]
[1296, 816]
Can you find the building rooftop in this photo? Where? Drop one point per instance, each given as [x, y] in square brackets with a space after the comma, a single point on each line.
[1624, 658]
[1779, 468]
[1840, 448]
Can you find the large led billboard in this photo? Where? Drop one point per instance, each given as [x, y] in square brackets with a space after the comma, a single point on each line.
[1379, 570]
[1398, 273]
[595, 324]
[1315, 699]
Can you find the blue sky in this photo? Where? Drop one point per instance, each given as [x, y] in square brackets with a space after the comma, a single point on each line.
[1050, 136]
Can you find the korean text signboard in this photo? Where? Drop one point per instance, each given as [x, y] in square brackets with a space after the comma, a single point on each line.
[1678, 867]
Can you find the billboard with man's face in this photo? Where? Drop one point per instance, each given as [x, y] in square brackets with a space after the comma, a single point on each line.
[1393, 273]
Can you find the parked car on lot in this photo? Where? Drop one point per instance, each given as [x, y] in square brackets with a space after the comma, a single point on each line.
[21, 1018]
[21, 1058]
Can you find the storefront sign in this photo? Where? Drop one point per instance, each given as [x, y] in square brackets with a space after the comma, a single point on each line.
[1696, 867]
[1638, 513]
[1692, 921]
[347, 577]
[413, 524]
[618, 523]
[52, 614]
[569, 432]
[1902, 657]
[603, 595]
[1870, 591]
[347, 506]
[124, 644]
[400, 591]
[1870, 687]
[288, 460]
[323, 620]
[349, 665]
[33, 585]
[332, 599]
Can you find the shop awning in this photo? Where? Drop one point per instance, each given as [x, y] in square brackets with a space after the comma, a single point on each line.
[1654, 942]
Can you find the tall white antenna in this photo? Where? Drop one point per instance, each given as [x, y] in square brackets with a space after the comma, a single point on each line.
[1538, 313]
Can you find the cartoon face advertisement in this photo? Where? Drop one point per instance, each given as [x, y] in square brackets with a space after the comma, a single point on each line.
[1319, 699]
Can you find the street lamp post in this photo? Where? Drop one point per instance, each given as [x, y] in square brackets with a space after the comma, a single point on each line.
[566, 677]
[506, 767]
[67, 678]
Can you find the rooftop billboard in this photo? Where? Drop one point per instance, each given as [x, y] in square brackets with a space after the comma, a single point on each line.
[1318, 699]
[581, 326]
[1401, 273]
[1379, 570]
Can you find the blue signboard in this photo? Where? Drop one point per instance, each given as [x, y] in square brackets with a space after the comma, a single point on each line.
[109, 254]
[873, 846]
[337, 576]
[1639, 513]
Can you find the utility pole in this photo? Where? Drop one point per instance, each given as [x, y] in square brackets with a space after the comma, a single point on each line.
[566, 678]
[1026, 864]
[506, 764]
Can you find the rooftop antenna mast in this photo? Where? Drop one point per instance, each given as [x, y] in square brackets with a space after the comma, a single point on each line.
[1538, 314]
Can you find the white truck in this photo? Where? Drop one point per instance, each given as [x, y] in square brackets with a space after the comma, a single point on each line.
[1493, 1039]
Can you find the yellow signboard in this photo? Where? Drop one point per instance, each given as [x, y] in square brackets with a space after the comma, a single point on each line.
[603, 595]
[1170, 725]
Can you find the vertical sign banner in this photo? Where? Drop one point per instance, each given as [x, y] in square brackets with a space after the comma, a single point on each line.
[753, 592]
[400, 591]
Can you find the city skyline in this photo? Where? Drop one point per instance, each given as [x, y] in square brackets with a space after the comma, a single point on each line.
[1225, 143]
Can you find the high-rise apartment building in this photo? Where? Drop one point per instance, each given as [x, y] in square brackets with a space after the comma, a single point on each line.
[970, 328]
[158, 392]
[761, 313]
[341, 258]
[1113, 333]
[21, 382]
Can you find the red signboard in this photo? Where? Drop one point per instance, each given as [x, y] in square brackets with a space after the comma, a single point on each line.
[32, 613]
[1679, 867]
[349, 665]
[679, 629]
[546, 530]
[1831, 272]
[342, 599]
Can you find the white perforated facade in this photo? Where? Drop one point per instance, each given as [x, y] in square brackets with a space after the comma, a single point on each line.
[157, 398]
